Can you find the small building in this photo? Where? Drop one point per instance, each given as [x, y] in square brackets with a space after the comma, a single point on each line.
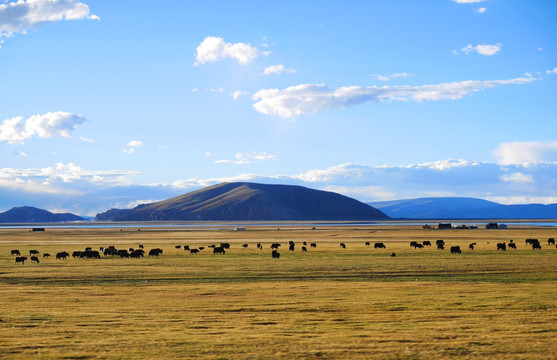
[239, 229]
[492, 226]
[37, 229]
[445, 226]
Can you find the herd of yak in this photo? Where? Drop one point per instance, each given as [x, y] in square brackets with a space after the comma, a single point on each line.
[89, 253]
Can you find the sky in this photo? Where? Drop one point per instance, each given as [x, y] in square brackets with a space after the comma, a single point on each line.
[110, 104]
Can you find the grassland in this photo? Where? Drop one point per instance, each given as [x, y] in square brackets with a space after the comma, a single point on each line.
[327, 303]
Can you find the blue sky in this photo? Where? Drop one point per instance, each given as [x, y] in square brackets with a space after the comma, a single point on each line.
[113, 103]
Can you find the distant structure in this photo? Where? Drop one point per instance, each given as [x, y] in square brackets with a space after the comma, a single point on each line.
[37, 229]
[445, 226]
[239, 229]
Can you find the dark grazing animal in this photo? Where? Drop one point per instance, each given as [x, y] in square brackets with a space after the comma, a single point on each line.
[194, 251]
[76, 254]
[219, 250]
[46, 255]
[536, 245]
[455, 250]
[155, 252]
[426, 243]
[140, 246]
[33, 252]
[15, 252]
[178, 246]
[186, 247]
[379, 245]
[551, 241]
[304, 248]
[393, 254]
[291, 246]
[225, 245]
[88, 249]
[90, 254]
[512, 245]
[35, 259]
[502, 247]
[368, 243]
[201, 248]
[275, 246]
[245, 246]
[275, 254]
[342, 245]
[471, 246]
[20, 259]
[313, 245]
[440, 244]
[62, 255]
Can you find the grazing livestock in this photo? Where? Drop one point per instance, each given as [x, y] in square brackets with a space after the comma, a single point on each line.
[440, 244]
[305, 243]
[502, 247]
[471, 246]
[62, 255]
[110, 251]
[225, 245]
[90, 254]
[33, 252]
[304, 248]
[314, 245]
[35, 259]
[136, 254]
[291, 246]
[536, 245]
[178, 246]
[259, 246]
[76, 254]
[123, 253]
[512, 245]
[455, 250]
[46, 255]
[426, 243]
[20, 259]
[219, 250]
[140, 246]
[342, 245]
[88, 249]
[275, 246]
[275, 254]
[368, 243]
[416, 245]
[551, 241]
[393, 254]
[186, 247]
[15, 252]
[201, 248]
[155, 252]
[101, 249]
[379, 245]
[245, 246]
[194, 251]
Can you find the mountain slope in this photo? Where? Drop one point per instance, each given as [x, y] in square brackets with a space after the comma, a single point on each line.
[250, 201]
[28, 214]
[463, 208]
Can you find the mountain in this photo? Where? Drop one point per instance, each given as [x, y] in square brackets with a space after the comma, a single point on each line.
[27, 214]
[462, 208]
[250, 202]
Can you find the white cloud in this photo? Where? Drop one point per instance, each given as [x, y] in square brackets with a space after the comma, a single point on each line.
[132, 146]
[540, 49]
[311, 98]
[526, 152]
[15, 130]
[278, 69]
[517, 177]
[22, 15]
[236, 94]
[482, 49]
[388, 77]
[84, 139]
[213, 49]
[481, 10]
[240, 158]
[554, 71]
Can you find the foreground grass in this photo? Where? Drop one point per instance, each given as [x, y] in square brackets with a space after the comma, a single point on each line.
[325, 303]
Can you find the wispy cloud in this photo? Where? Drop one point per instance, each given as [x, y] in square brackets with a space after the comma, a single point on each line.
[213, 49]
[16, 130]
[236, 94]
[482, 49]
[249, 158]
[526, 152]
[481, 10]
[22, 15]
[311, 98]
[84, 139]
[389, 77]
[132, 146]
[278, 69]
[553, 71]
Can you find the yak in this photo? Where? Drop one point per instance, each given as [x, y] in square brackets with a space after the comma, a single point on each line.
[20, 259]
[275, 254]
[15, 252]
[379, 245]
[62, 255]
[35, 259]
[455, 250]
[219, 250]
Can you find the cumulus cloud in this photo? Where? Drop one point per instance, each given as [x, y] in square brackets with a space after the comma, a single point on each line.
[16, 130]
[526, 152]
[240, 158]
[482, 49]
[554, 71]
[22, 15]
[311, 98]
[236, 94]
[278, 69]
[132, 146]
[481, 10]
[517, 177]
[213, 49]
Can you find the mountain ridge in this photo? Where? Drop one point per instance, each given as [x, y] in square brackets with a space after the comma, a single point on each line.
[29, 214]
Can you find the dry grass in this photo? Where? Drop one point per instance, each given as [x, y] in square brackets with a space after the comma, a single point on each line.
[329, 303]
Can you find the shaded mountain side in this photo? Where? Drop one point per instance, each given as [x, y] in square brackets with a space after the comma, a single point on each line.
[250, 202]
[28, 214]
[463, 208]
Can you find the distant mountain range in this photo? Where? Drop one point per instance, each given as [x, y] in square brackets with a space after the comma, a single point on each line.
[250, 202]
[27, 214]
[462, 208]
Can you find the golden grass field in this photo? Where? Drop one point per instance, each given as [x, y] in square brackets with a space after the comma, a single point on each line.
[326, 303]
